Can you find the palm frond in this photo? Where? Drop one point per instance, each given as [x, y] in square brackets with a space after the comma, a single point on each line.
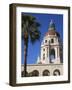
[34, 35]
[30, 27]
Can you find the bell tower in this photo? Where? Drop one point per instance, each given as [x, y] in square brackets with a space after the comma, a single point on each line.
[51, 46]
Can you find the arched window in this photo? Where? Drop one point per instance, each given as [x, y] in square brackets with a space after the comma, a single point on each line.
[52, 40]
[46, 73]
[52, 55]
[56, 72]
[43, 49]
[35, 73]
[45, 41]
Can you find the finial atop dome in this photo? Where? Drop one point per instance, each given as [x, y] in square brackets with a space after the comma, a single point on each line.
[51, 25]
[51, 22]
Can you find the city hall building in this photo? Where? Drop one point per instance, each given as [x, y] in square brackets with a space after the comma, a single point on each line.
[50, 61]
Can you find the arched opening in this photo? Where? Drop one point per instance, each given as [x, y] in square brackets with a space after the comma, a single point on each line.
[52, 55]
[23, 74]
[46, 73]
[45, 41]
[35, 73]
[52, 40]
[56, 72]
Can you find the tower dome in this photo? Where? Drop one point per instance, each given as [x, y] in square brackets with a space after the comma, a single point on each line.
[52, 29]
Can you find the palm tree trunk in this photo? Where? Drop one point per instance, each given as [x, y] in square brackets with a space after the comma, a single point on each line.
[25, 56]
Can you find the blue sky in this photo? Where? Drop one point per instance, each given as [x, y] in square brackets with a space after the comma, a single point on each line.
[44, 20]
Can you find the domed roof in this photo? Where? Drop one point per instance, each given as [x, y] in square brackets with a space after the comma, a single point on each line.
[52, 32]
[51, 29]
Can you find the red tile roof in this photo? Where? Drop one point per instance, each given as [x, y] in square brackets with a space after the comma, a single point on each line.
[52, 32]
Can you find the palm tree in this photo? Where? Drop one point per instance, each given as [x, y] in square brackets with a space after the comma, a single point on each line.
[30, 30]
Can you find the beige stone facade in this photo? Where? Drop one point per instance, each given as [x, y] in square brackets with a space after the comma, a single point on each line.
[53, 69]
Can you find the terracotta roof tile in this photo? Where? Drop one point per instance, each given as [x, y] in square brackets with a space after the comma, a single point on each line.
[52, 32]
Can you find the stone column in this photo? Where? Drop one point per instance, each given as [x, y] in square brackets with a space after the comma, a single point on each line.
[57, 52]
[48, 59]
[41, 53]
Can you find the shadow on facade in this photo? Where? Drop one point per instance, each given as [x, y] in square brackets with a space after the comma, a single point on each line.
[56, 72]
[46, 72]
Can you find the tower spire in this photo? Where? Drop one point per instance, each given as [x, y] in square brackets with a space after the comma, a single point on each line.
[51, 25]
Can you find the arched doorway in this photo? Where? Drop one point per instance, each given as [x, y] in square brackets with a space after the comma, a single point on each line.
[56, 72]
[35, 73]
[46, 73]
[52, 55]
